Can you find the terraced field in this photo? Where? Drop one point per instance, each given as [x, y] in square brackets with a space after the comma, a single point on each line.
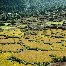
[32, 48]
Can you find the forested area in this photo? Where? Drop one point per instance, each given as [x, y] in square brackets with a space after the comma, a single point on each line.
[32, 6]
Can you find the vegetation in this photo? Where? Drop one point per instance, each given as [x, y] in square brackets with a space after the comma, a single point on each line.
[32, 32]
[25, 48]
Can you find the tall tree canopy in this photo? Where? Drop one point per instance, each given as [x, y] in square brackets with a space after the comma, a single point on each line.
[34, 6]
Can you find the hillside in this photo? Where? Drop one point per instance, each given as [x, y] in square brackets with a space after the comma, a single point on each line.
[38, 5]
[8, 5]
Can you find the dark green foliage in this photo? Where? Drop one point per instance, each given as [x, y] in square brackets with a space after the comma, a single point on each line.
[14, 59]
[59, 59]
[63, 59]
[52, 10]
[2, 24]
[32, 6]
[13, 22]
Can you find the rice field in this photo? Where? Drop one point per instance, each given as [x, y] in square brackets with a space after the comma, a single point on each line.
[32, 48]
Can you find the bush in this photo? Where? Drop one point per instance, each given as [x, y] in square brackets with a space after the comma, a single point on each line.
[59, 59]
[2, 24]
